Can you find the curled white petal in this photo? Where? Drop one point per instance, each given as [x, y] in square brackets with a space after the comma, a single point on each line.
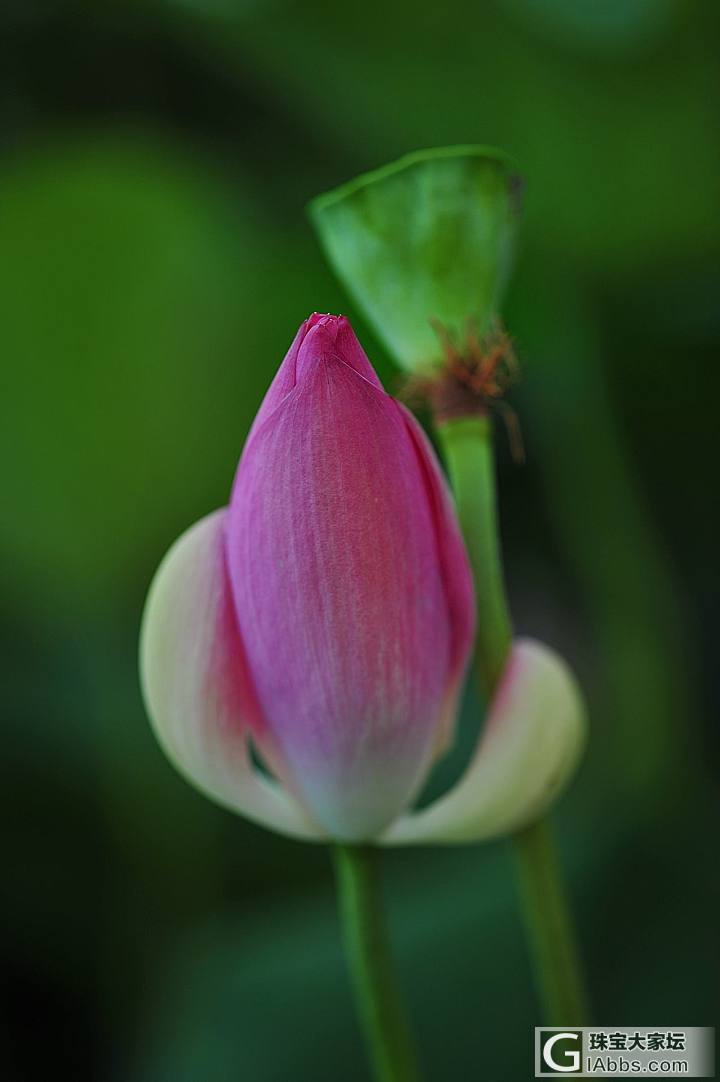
[531, 742]
[196, 686]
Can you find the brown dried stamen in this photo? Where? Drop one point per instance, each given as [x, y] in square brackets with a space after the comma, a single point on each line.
[472, 379]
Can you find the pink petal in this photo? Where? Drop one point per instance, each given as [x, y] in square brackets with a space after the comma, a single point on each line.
[455, 571]
[197, 687]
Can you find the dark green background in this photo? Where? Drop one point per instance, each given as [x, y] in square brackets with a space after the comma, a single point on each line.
[155, 264]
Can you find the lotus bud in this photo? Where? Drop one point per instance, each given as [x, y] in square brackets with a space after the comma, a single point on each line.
[325, 619]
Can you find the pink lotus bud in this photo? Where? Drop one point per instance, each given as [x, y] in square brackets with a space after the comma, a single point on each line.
[327, 615]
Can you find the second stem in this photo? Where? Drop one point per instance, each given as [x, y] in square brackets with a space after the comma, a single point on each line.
[468, 447]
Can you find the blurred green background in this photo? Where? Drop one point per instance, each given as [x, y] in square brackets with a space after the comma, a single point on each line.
[156, 262]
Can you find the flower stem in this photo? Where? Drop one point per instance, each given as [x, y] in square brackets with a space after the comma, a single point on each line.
[377, 995]
[467, 443]
[468, 447]
[550, 927]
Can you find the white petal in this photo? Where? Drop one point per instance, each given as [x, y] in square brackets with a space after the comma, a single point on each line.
[529, 747]
[196, 684]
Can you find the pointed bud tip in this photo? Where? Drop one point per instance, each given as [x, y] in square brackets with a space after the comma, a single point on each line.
[324, 319]
[326, 322]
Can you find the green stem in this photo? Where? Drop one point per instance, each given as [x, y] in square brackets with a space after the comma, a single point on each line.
[367, 947]
[467, 444]
[468, 447]
[550, 927]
